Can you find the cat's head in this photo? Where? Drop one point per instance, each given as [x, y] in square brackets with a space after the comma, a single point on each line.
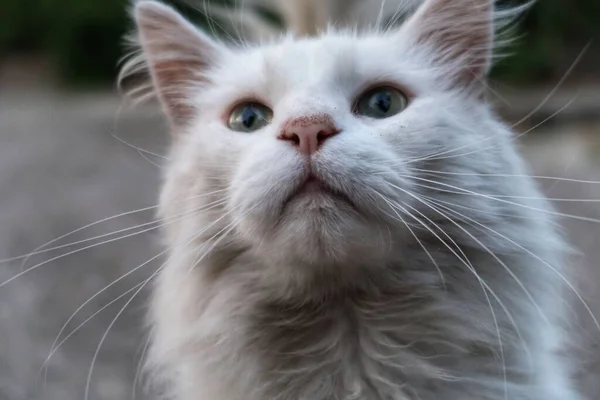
[312, 144]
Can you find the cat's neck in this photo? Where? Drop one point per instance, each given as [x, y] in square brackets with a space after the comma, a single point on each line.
[297, 283]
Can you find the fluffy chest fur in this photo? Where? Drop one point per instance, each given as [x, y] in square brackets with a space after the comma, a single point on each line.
[392, 336]
[385, 341]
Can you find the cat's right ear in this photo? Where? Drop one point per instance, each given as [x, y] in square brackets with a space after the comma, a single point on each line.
[459, 36]
[177, 56]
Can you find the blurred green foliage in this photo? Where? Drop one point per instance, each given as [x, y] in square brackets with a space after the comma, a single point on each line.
[84, 38]
[548, 39]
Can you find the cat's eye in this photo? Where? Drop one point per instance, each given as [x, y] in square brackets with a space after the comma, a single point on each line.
[249, 117]
[381, 102]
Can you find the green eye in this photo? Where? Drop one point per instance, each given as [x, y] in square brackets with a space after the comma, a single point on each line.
[381, 102]
[250, 117]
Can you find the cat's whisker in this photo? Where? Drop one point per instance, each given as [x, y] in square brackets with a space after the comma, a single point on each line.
[212, 24]
[154, 222]
[245, 19]
[237, 30]
[479, 211]
[437, 156]
[456, 250]
[137, 148]
[427, 171]
[479, 150]
[215, 178]
[95, 356]
[390, 241]
[124, 214]
[222, 233]
[138, 370]
[244, 16]
[484, 285]
[57, 345]
[145, 157]
[138, 93]
[502, 263]
[379, 20]
[538, 258]
[547, 119]
[557, 86]
[194, 237]
[249, 22]
[89, 247]
[494, 92]
[400, 219]
[53, 348]
[554, 199]
[513, 276]
[466, 193]
[400, 13]
[463, 191]
[480, 243]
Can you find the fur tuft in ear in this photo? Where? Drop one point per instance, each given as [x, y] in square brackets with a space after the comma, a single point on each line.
[460, 36]
[176, 55]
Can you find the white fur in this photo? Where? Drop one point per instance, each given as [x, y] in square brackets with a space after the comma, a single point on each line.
[380, 297]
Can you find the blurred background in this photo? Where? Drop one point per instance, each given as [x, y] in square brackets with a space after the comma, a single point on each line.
[72, 153]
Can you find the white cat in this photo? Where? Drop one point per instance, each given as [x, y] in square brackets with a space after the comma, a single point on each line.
[353, 221]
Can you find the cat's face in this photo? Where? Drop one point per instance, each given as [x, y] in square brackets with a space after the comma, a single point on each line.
[314, 143]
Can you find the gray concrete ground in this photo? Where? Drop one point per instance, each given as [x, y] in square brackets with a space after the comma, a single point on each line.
[62, 168]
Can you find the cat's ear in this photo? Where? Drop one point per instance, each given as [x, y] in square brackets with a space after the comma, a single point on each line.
[177, 55]
[459, 36]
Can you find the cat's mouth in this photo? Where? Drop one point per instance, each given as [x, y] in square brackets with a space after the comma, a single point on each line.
[313, 186]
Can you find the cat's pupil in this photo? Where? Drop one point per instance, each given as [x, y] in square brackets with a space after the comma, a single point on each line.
[249, 117]
[382, 101]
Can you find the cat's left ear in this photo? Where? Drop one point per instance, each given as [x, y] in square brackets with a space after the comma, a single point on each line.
[177, 55]
[458, 36]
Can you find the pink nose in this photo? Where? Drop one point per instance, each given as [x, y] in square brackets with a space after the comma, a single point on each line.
[308, 133]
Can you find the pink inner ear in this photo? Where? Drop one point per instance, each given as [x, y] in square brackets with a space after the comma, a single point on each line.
[177, 54]
[173, 81]
[461, 32]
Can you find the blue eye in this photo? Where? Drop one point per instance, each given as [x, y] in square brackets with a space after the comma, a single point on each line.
[249, 117]
[381, 102]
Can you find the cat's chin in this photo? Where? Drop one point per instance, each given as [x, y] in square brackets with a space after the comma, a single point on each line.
[316, 197]
[318, 227]
[315, 223]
